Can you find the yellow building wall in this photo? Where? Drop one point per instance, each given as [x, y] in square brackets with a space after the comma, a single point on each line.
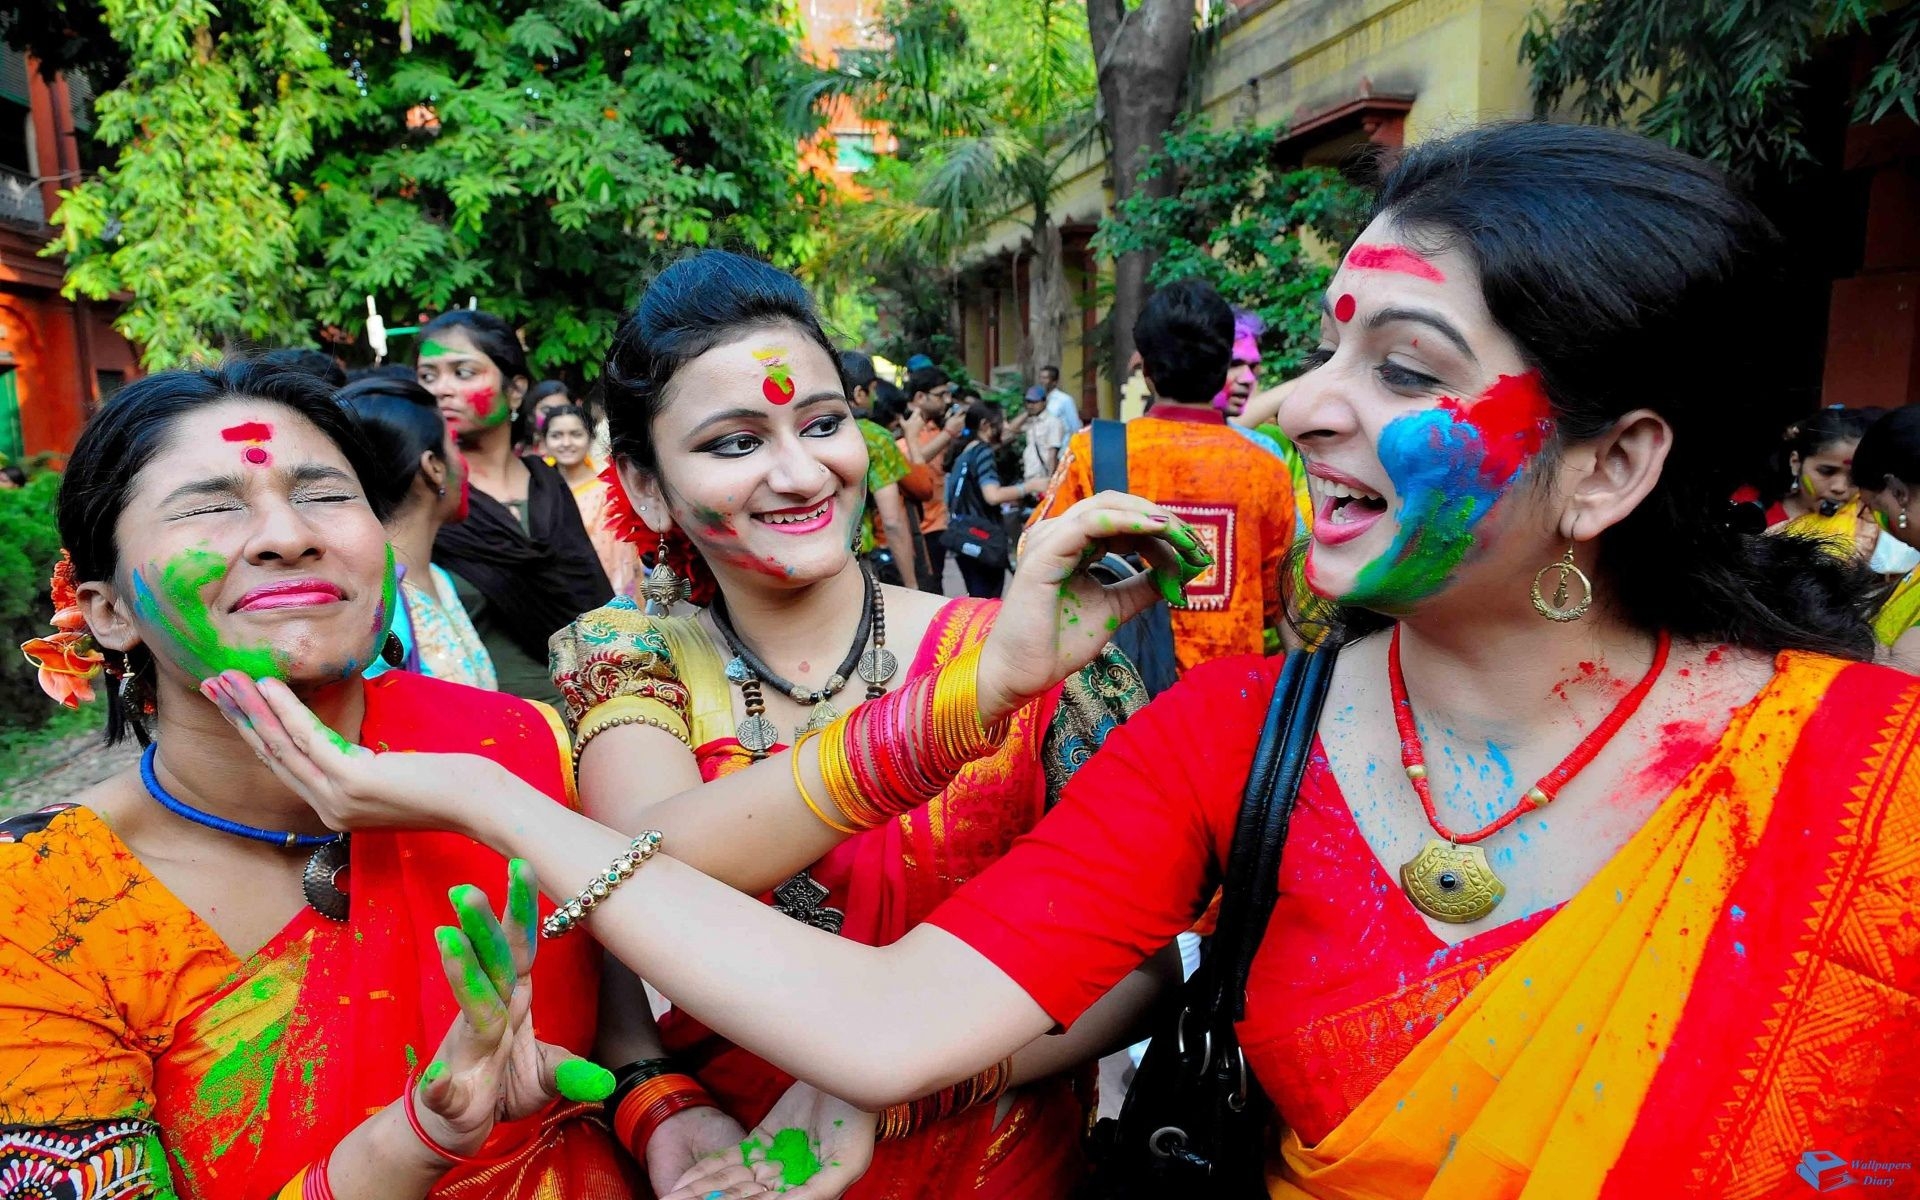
[1285, 60]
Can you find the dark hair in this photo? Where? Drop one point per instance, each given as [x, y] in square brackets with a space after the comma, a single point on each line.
[317, 363]
[1830, 426]
[383, 371]
[1611, 259]
[926, 379]
[1051, 367]
[1185, 339]
[490, 335]
[132, 428]
[979, 415]
[527, 428]
[568, 410]
[400, 421]
[1890, 446]
[856, 368]
[889, 402]
[691, 307]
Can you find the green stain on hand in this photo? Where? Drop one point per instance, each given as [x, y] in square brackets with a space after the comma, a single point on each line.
[1169, 585]
[523, 911]
[488, 939]
[793, 1150]
[472, 985]
[1113, 624]
[169, 596]
[434, 1071]
[587, 1082]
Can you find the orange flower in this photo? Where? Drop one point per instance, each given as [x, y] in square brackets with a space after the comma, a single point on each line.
[68, 661]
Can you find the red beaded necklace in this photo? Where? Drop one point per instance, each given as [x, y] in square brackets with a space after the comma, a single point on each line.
[1540, 794]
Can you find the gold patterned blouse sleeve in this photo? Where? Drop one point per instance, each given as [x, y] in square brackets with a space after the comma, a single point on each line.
[613, 667]
[1093, 702]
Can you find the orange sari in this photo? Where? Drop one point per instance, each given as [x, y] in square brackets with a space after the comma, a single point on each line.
[245, 1072]
[886, 881]
[1726, 1011]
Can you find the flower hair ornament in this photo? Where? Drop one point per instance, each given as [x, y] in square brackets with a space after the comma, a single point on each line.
[678, 573]
[68, 661]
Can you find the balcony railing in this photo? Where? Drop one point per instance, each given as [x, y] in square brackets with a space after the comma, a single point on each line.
[20, 198]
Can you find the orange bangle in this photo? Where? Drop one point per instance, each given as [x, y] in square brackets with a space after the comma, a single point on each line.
[651, 1102]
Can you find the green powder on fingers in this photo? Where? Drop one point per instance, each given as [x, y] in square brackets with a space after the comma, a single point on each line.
[586, 1082]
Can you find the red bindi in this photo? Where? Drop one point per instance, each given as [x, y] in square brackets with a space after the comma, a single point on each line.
[257, 456]
[1343, 308]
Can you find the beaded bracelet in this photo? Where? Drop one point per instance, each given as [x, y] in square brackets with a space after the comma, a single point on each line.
[570, 915]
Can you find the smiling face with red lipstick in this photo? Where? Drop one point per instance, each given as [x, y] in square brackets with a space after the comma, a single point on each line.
[767, 483]
[278, 569]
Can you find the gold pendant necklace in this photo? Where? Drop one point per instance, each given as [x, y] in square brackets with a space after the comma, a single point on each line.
[1452, 883]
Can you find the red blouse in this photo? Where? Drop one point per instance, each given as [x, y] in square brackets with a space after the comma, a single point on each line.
[1349, 977]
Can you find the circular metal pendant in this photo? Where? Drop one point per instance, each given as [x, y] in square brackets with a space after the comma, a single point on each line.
[878, 665]
[326, 868]
[823, 715]
[1452, 883]
[758, 734]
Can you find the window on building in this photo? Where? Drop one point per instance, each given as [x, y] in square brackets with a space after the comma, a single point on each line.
[853, 151]
[12, 444]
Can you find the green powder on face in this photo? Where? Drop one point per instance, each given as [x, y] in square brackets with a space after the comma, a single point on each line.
[584, 1081]
[179, 613]
[432, 349]
[793, 1150]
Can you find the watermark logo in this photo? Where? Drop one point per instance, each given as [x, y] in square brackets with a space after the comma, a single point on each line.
[1825, 1171]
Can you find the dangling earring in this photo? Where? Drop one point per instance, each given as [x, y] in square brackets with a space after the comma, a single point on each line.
[1901, 520]
[393, 652]
[663, 588]
[1559, 610]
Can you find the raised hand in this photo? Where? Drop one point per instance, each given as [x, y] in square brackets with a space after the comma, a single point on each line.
[1055, 617]
[491, 1067]
[349, 786]
[811, 1146]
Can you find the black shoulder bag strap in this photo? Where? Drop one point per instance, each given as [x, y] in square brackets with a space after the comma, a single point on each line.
[1194, 1117]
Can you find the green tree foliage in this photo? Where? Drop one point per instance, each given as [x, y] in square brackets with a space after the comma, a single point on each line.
[1718, 78]
[29, 545]
[1237, 221]
[539, 155]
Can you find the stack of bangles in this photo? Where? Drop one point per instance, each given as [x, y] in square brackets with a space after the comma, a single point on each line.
[899, 1120]
[645, 1094]
[893, 754]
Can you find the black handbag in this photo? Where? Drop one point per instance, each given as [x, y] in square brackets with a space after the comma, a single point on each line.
[1195, 1122]
[974, 530]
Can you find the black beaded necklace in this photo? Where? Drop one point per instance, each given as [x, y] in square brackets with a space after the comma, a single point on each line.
[874, 666]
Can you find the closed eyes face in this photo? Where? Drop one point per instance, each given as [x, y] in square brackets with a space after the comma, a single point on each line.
[1418, 415]
[761, 463]
[275, 568]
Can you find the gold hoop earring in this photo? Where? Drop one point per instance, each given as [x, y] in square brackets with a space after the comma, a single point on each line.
[1559, 609]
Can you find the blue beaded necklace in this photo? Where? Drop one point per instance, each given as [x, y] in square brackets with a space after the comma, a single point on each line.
[180, 808]
[325, 869]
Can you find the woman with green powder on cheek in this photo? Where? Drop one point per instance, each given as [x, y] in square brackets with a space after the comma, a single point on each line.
[1606, 839]
[203, 985]
[522, 562]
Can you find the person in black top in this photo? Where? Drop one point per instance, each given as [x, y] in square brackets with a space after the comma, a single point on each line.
[522, 561]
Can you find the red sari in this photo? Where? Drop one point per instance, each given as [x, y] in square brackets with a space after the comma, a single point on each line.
[249, 1071]
[1724, 1011]
[886, 881]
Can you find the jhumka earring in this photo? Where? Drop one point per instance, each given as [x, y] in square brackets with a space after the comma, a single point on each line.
[664, 588]
[1901, 519]
[1559, 609]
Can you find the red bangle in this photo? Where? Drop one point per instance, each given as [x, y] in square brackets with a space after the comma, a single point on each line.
[413, 1122]
[316, 1185]
[643, 1109]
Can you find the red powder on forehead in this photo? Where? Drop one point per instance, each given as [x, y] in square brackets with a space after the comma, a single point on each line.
[1343, 308]
[252, 431]
[1393, 258]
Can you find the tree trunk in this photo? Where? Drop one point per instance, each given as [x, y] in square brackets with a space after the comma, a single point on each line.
[1142, 57]
[1046, 299]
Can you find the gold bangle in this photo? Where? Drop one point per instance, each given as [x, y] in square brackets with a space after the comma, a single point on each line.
[842, 787]
[800, 784]
[628, 710]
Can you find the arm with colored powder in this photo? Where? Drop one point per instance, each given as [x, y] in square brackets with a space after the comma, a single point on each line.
[893, 519]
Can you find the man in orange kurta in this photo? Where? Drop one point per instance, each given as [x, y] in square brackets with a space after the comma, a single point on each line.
[1183, 454]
